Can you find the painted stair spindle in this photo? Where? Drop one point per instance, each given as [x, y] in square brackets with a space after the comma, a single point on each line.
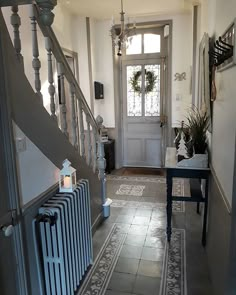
[94, 131]
[101, 164]
[73, 116]
[35, 49]
[62, 99]
[51, 87]
[81, 128]
[89, 156]
[16, 22]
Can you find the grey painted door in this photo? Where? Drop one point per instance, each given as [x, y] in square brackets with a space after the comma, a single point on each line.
[142, 109]
[8, 265]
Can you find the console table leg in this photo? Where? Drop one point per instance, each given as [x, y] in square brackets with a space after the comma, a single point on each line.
[205, 215]
[198, 208]
[169, 206]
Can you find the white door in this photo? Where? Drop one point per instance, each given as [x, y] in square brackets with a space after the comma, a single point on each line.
[142, 109]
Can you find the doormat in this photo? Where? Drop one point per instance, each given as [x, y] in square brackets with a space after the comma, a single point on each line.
[173, 277]
[143, 192]
[142, 171]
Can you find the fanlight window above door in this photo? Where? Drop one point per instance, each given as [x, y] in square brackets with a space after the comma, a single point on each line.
[134, 44]
[152, 43]
[144, 43]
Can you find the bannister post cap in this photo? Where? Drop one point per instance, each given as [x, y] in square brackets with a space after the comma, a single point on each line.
[46, 14]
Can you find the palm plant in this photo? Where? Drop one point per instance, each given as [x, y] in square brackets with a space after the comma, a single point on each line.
[197, 123]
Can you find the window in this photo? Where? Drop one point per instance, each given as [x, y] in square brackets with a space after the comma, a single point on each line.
[143, 90]
[152, 43]
[134, 44]
[143, 43]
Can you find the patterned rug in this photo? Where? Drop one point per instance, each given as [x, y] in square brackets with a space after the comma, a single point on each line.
[173, 278]
[143, 192]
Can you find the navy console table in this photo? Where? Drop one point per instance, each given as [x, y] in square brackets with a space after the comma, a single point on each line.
[195, 175]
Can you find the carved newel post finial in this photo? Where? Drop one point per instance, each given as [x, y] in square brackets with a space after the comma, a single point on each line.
[46, 14]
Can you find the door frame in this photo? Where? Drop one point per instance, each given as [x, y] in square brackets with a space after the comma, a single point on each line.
[118, 90]
[10, 167]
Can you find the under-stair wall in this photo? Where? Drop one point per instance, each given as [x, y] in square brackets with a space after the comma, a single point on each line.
[41, 128]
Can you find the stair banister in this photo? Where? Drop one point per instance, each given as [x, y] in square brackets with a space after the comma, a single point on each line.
[60, 57]
[51, 87]
[6, 3]
[42, 14]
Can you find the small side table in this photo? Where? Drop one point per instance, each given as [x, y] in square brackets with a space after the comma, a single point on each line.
[109, 149]
[195, 174]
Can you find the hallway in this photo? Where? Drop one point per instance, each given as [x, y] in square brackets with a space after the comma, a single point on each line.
[130, 250]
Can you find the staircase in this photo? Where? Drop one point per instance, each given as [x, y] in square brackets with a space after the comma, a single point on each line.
[69, 130]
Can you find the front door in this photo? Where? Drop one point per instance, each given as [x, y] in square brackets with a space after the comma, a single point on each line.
[142, 109]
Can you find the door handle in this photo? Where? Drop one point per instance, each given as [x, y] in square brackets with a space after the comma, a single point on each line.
[7, 230]
[163, 120]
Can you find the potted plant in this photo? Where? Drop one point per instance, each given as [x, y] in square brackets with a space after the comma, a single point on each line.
[197, 125]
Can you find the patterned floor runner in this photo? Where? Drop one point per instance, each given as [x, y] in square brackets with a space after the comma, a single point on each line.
[173, 279]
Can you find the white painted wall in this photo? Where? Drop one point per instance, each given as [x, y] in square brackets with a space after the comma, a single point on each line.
[224, 123]
[80, 43]
[36, 173]
[181, 62]
[102, 64]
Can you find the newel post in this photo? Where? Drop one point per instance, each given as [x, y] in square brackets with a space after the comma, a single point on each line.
[46, 14]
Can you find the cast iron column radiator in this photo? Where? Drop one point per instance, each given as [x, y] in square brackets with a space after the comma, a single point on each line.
[63, 240]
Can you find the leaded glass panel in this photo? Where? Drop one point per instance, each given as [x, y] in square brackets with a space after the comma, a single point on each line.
[152, 90]
[134, 98]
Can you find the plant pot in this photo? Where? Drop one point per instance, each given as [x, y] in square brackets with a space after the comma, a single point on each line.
[197, 161]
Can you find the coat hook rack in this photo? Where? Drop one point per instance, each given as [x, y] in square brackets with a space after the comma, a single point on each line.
[222, 53]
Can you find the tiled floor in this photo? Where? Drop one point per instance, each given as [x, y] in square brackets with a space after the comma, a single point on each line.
[139, 266]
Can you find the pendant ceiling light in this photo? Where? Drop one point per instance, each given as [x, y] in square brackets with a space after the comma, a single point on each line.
[120, 34]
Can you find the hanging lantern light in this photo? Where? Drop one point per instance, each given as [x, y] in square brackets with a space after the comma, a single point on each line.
[67, 180]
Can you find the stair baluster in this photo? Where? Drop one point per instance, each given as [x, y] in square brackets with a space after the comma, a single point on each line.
[62, 99]
[101, 164]
[81, 128]
[94, 149]
[89, 155]
[16, 22]
[35, 49]
[73, 116]
[51, 87]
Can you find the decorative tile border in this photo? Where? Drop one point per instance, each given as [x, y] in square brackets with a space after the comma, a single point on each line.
[99, 275]
[156, 179]
[173, 279]
[176, 207]
[178, 188]
[130, 190]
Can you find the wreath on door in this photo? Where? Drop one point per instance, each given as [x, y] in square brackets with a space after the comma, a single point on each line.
[150, 78]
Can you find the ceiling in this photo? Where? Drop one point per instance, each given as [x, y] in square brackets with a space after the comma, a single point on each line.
[104, 9]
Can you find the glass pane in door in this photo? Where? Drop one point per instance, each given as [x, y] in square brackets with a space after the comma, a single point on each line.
[134, 91]
[152, 90]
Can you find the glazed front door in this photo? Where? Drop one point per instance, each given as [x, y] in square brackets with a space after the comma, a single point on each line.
[142, 109]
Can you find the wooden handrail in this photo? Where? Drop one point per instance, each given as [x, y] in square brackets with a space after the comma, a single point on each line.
[5, 3]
